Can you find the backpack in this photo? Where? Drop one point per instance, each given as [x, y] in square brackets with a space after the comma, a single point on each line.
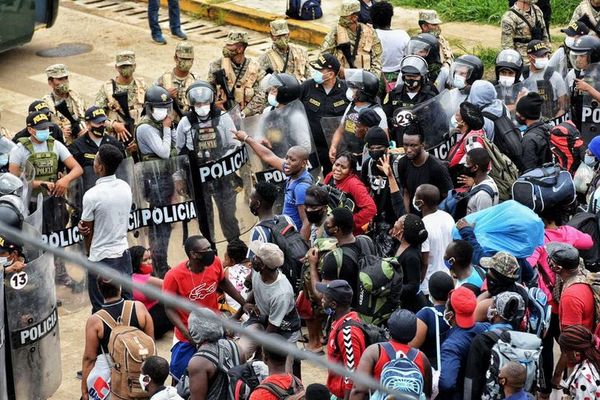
[566, 145]
[507, 136]
[294, 392]
[285, 235]
[589, 223]
[400, 374]
[128, 347]
[246, 377]
[524, 348]
[456, 203]
[304, 9]
[337, 198]
[504, 172]
[372, 333]
[537, 313]
[543, 188]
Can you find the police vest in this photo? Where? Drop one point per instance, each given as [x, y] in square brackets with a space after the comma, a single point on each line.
[242, 87]
[280, 65]
[45, 164]
[353, 143]
[158, 126]
[546, 92]
[206, 139]
[362, 49]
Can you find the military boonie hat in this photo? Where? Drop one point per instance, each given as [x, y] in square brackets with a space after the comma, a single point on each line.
[503, 263]
[57, 71]
[39, 105]
[184, 50]
[125, 57]
[38, 120]
[429, 16]
[326, 61]
[279, 27]
[537, 48]
[577, 28]
[237, 37]
[95, 114]
[349, 7]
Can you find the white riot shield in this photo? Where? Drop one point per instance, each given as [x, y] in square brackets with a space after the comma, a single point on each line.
[3, 342]
[510, 95]
[549, 86]
[590, 114]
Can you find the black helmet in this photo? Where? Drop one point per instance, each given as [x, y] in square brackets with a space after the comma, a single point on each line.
[288, 87]
[366, 82]
[157, 96]
[474, 67]
[10, 215]
[425, 45]
[589, 45]
[509, 59]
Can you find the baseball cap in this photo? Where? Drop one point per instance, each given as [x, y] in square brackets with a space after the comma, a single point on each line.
[95, 114]
[577, 28]
[39, 105]
[7, 245]
[326, 61]
[463, 302]
[57, 71]
[563, 254]
[339, 290]
[429, 16]
[537, 48]
[38, 120]
[125, 57]
[503, 263]
[510, 306]
[402, 325]
[270, 254]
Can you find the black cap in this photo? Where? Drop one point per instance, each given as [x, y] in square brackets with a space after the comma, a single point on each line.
[95, 114]
[7, 245]
[369, 117]
[376, 137]
[38, 120]
[339, 290]
[326, 61]
[402, 325]
[563, 254]
[538, 48]
[39, 105]
[577, 28]
[530, 106]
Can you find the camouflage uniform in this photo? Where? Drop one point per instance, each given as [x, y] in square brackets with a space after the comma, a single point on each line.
[242, 80]
[169, 80]
[516, 33]
[74, 103]
[431, 17]
[135, 92]
[368, 55]
[585, 8]
[294, 61]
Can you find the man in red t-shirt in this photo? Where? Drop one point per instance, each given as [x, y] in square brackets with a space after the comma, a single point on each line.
[346, 341]
[196, 279]
[403, 328]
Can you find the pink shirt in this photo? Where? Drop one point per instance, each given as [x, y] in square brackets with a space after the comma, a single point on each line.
[139, 296]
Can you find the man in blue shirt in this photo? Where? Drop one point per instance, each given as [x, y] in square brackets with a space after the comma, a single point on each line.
[512, 377]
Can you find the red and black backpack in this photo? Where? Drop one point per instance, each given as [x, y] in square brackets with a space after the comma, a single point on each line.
[567, 146]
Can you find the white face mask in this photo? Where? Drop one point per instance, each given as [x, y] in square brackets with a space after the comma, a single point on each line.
[453, 122]
[589, 160]
[160, 113]
[350, 94]
[459, 82]
[3, 160]
[541, 63]
[272, 99]
[4, 262]
[143, 384]
[569, 41]
[202, 111]
[506, 81]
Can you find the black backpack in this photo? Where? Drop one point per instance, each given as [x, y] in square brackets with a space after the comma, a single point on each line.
[589, 223]
[285, 235]
[337, 198]
[456, 203]
[506, 136]
[373, 334]
[311, 9]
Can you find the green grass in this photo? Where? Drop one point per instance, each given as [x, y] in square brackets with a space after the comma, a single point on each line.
[485, 11]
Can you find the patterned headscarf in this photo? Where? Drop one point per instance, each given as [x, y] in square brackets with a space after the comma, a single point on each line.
[579, 338]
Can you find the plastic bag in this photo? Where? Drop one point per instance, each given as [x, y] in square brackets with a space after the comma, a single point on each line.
[509, 227]
[582, 178]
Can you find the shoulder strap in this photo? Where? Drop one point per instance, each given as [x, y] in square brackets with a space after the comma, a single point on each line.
[518, 14]
[485, 188]
[479, 271]
[389, 349]
[275, 389]
[107, 318]
[548, 74]
[436, 316]
[127, 312]
[491, 116]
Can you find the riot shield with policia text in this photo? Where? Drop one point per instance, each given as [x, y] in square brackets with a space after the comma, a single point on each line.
[3, 343]
[590, 113]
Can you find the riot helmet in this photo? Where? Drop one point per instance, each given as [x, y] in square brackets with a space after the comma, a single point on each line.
[201, 96]
[365, 83]
[584, 46]
[425, 45]
[509, 59]
[10, 184]
[465, 70]
[10, 214]
[288, 87]
[157, 102]
[414, 65]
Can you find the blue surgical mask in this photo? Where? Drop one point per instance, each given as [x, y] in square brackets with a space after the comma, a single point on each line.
[449, 263]
[42, 135]
[272, 99]
[329, 311]
[3, 160]
[459, 82]
[589, 160]
[317, 76]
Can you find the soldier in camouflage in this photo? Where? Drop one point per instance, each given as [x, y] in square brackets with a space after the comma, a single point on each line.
[135, 88]
[177, 80]
[283, 56]
[58, 80]
[354, 40]
[242, 76]
[522, 23]
[588, 11]
[430, 23]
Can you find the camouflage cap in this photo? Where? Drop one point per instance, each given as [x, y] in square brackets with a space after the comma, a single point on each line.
[184, 50]
[237, 37]
[503, 263]
[125, 57]
[57, 71]
[279, 27]
[350, 7]
[429, 16]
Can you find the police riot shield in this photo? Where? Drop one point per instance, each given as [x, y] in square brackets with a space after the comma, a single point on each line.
[3, 342]
[551, 86]
[222, 178]
[510, 95]
[32, 328]
[590, 114]
[27, 177]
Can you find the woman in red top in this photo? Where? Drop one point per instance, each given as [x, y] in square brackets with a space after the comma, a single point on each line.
[344, 177]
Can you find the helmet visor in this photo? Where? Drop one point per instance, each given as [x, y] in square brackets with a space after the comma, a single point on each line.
[414, 65]
[200, 95]
[269, 82]
[579, 59]
[354, 78]
[461, 69]
[418, 48]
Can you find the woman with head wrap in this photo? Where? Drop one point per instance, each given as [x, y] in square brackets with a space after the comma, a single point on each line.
[582, 348]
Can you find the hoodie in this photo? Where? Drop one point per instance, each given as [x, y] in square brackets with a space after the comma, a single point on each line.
[168, 393]
[483, 95]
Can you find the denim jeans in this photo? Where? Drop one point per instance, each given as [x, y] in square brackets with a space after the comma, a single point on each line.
[121, 264]
[174, 21]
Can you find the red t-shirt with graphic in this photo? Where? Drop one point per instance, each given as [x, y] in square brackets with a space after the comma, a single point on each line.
[201, 288]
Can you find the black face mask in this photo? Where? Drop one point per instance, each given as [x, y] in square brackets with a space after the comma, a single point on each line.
[206, 258]
[412, 83]
[98, 130]
[469, 172]
[497, 284]
[376, 154]
[521, 120]
[330, 231]
[315, 216]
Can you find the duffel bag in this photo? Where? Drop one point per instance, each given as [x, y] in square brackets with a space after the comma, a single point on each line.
[543, 188]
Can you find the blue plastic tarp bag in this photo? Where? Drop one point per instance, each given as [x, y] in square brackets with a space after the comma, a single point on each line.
[509, 227]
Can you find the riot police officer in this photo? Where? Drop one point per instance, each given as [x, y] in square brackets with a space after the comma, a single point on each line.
[509, 65]
[427, 46]
[583, 52]
[464, 71]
